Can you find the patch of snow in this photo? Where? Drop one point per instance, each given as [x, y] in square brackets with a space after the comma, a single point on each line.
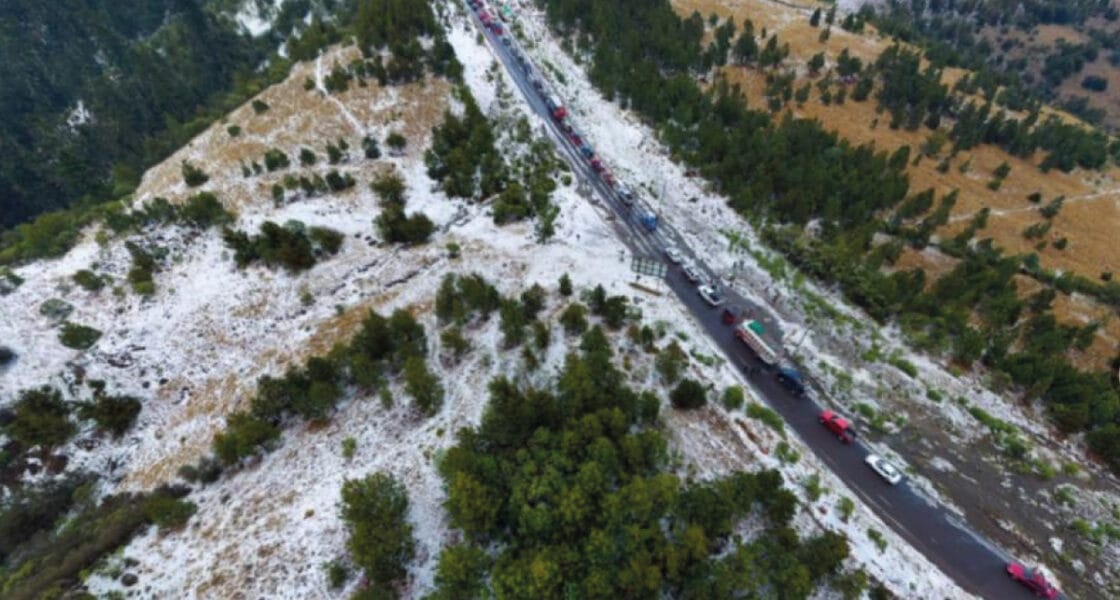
[79, 116]
[942, 464]
[255, 16]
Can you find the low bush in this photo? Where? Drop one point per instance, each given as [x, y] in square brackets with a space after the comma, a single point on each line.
[380, 540]
[244, 436]
[192, 175]
[733, 397]
[574, 319]
[204, 210]
[397, 228]
[79, 337]
[689, 394]
[40, 417]
[274, 160]
[168, 512]
[114, 414]
[289, 246]
[765, 414]
[88, 280]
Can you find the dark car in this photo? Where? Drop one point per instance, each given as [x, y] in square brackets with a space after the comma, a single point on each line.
[1033, 581]
[792, 380]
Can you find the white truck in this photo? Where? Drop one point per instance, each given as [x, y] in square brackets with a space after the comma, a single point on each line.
[750, 332]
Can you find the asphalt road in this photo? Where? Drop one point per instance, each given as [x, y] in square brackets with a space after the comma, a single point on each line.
[976, 564]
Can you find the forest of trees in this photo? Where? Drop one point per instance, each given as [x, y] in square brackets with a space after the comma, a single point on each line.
[792, 172]
[564, 491]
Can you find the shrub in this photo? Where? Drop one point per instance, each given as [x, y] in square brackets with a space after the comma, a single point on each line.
[77, 336]
[140, 276]
[767, 416]
[1094, 83]
[244, 435]
[670, 361]
[55, 309]
[192, 175]
[207, 470]
[326, 239]
[287, 246]
[733, 397]
[396, 142]
[337, 574]
[689, 394]
[40, 418]
[204, 210]
[875, 536]
[512, 324]
[574, 319]
[275, 160]
[88, 280]
[306, 157]
[452, 339]
[375, 510]
[390, 188]
[423, 386]
[565, 285]
[7, 355]
[260, 106]
[370, 147]
[168, 512]
[397, 228]
[338, 182]
[114, 414]
[349, 447]
[846, 507]
[233, 130]
[905, 366]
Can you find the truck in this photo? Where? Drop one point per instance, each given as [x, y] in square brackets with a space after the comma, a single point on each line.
[556, 107]
[839, 426]
[750, 332]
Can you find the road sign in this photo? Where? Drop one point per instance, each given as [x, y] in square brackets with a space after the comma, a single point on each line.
[653, 267]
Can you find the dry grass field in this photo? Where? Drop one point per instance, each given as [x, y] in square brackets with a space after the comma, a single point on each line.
[1089, 219]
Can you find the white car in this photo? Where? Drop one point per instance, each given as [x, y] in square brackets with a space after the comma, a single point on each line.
[674, 254]
[626, 194]
[692, 273]
[885, 469]
[710, 295]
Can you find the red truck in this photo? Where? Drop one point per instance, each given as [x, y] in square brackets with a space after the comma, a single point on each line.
[557, 108]
[838, 425]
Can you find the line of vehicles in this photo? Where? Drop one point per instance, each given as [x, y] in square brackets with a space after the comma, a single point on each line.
[748, 330]
[559, 113]
[751, 333]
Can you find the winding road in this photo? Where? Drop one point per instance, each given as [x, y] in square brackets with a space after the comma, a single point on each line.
[975, 563]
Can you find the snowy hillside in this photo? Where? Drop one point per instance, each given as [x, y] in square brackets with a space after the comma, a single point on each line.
[195, 349]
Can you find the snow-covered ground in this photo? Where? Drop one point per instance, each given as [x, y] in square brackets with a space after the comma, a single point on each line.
[195, 350]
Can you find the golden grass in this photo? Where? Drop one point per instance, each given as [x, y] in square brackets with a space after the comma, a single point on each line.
[1089, 219]
[296, 118]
